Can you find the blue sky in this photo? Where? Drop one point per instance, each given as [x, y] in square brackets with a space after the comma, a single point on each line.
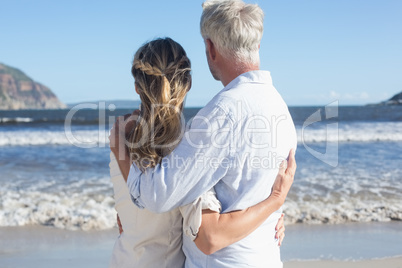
[318, 51]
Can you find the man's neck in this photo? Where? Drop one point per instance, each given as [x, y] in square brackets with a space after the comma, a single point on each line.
[231, 72]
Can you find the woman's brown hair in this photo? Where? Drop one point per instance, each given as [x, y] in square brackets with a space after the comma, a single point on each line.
[161, 71]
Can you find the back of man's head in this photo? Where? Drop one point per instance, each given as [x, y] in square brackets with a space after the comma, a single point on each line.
[234, 27]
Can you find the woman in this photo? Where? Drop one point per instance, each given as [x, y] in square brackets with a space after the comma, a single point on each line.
[162, 76]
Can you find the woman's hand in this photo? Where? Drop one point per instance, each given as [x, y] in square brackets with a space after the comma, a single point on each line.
[284, 179]
[118, 141]
[221, 230]
[118, 134]
[280, 230]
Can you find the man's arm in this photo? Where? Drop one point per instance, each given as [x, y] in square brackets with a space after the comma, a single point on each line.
[202, 158]
[221, 230]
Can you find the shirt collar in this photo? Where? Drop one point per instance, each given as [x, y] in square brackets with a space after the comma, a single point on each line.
[259, 76]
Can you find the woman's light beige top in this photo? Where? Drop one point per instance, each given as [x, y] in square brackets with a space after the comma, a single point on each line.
[149, 239]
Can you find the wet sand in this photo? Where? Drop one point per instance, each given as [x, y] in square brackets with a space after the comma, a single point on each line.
[346, 245]
[352, 241]
[48, 247]
[381, 263]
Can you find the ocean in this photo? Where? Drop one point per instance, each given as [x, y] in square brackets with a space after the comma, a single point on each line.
[349, 166]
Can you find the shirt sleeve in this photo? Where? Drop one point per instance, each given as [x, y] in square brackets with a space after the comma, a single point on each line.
[202, 158]
[192, 213]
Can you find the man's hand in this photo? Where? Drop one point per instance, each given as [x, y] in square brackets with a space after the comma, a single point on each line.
[284, 179]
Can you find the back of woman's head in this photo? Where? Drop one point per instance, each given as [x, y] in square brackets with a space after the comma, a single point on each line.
[161, 70]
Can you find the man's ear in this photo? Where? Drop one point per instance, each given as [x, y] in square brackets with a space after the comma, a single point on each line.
[211, 49]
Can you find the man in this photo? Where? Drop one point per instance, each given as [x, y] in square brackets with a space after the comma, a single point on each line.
[235, 144]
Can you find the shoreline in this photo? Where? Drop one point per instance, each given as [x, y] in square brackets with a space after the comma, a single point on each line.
[395, 262]
[47, 247]
[342, 242]
[317, 246]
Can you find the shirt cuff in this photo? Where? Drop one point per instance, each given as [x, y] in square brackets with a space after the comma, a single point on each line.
[133, 184]
[192, 213]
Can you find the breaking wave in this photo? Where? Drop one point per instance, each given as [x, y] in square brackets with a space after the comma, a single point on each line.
[352, 132]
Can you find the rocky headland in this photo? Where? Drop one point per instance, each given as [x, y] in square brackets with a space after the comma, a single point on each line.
[18, 91]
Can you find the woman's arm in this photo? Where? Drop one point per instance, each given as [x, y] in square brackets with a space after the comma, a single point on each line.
[119, 140]
[221, 230]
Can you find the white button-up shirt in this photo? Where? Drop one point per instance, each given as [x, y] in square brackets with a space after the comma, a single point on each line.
[234, 144]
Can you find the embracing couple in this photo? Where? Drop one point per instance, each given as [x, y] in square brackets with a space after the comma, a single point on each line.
[209, 195]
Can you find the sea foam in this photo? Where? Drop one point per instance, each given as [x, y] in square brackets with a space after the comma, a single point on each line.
[86, 210]
[85, 138]
[16, 120]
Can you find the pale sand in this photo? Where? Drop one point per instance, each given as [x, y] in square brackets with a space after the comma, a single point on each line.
[382, 263]
[352, 241]
[48, 247]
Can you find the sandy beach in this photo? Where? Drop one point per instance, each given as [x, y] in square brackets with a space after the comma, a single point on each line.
[351, 241]
[388, 263]
[48, 247]
[369, 245]
[353, 245]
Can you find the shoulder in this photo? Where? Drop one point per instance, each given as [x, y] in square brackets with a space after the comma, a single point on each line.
[220, 107]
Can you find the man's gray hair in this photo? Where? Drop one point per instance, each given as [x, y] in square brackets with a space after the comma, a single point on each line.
[234, 27]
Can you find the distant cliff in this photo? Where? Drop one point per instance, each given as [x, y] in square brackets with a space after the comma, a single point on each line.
[18, 91]
[395, 100]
